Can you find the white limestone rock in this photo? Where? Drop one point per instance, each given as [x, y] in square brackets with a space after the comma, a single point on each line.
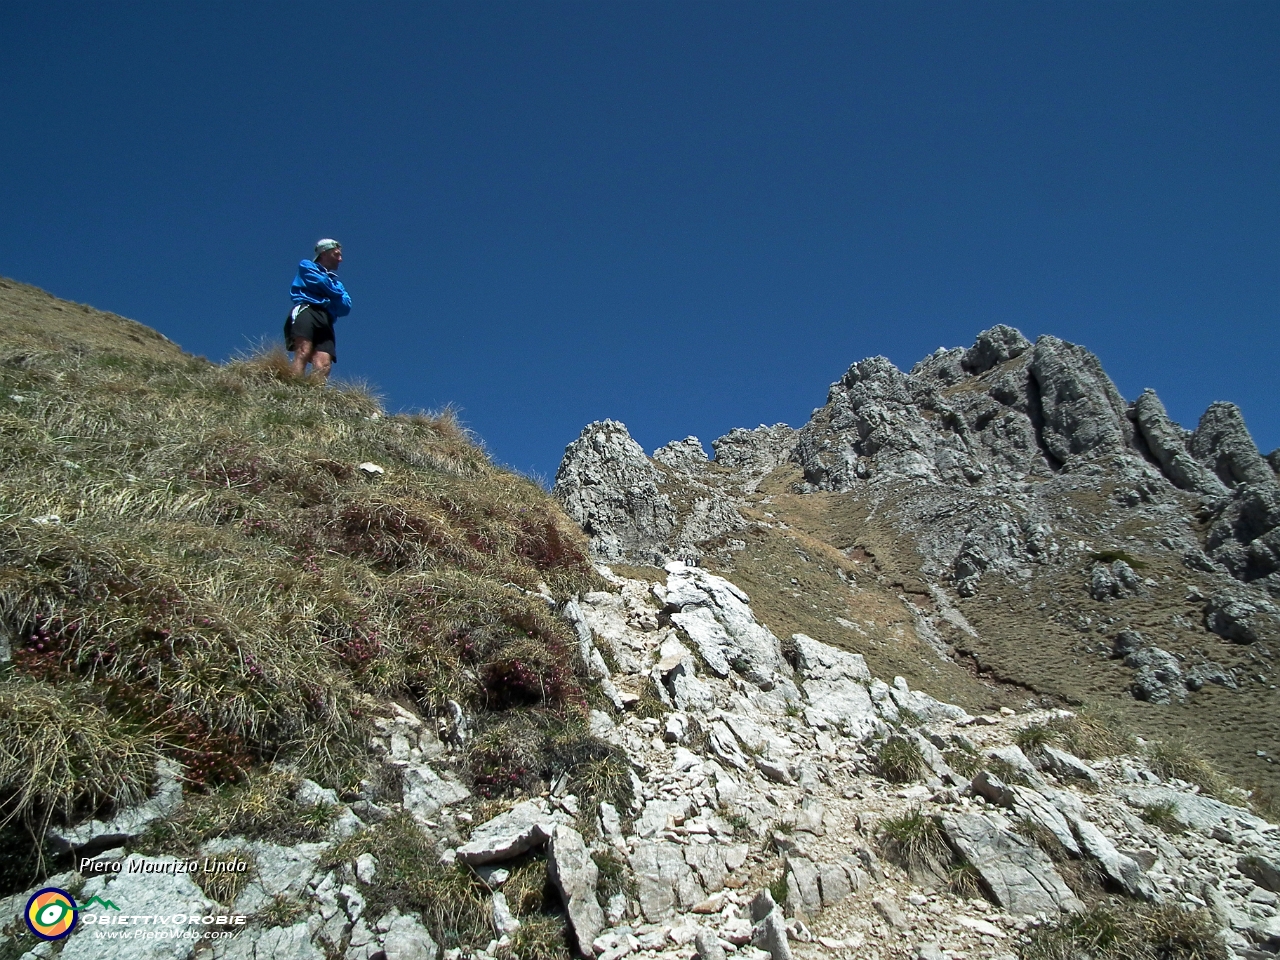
[1169, 443]
[574, 873]
[408, 939]
[1122, 869]
[610, 489]
[1019, 875]
[922, 705]
[836, 685]
[718, 619]
[525, 826]
[143, 892]
[1066, 765]
[425, 792]
[1194, 810]
[279, 871]
[664, 881]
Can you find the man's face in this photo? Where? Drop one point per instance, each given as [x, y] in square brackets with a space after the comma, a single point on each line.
[330, 258]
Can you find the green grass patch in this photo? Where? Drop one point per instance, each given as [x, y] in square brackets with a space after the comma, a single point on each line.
[900, 760]
[453, 902]
[1164, 816]
[963, 760]
[517, 750]
[260, 807]
[741, 825]
[615, 877]
[223, 887]
[540, 938]
[1177, 758]
[282, 912]
[650, 705]
[1265, 802]
[1090, 734]
[1131, 932]
[528, 888]
[1006, 771]
[1034, 737]
[1042, 837]
[914, 840]
[778, 888]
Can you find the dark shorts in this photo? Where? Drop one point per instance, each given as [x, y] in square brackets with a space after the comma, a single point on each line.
[312, 323]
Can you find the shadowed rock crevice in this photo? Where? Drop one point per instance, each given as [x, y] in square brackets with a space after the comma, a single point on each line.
[1035, 414]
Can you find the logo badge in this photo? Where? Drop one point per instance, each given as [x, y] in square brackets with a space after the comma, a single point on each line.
[51, 913]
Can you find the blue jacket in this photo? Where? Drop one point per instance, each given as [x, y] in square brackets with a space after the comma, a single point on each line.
[314, 284]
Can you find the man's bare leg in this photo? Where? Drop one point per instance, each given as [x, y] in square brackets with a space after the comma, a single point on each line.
[320, 363]
[302, 355]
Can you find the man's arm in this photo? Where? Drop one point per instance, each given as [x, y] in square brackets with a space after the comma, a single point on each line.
[340, 305]
[320, 283]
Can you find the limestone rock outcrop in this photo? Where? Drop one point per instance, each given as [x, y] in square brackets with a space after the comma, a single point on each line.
[571, 869]
[754, 454]
[1245, 535]
[993, 347]
[609, 487]
[1083, 412]
[1036, 408]
[1020, 876]
[1222, 442]
[716, 617]
[971, 433]
[1170, 445]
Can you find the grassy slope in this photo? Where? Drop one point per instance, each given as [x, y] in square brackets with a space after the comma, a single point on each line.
[223, 586]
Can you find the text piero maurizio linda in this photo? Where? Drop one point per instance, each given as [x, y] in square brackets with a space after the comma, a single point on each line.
[90, 867]
[121, 925]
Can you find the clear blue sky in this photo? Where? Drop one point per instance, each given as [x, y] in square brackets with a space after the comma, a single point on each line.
[686, 216]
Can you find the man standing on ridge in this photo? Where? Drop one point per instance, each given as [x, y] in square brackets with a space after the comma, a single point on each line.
[319, 298]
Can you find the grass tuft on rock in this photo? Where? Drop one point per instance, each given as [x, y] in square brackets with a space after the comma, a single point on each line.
[223, 886]
[613, 877]
[1091, 733]
[963, 760]
[1128, 932]
[411, 878]
[1043, 837]
[259, 807]
[915, 841]
[1034, 737]
[1163, 815]
[964, 881]
[540, 938]
[1176, 758]
[900, 760]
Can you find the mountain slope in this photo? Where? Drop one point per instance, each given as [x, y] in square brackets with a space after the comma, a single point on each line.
[998, 526]
[373, 689]
[223, 567]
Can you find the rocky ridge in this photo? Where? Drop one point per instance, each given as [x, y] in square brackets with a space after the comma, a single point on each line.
[1013, 491]
[762, 823]
[996, 420]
